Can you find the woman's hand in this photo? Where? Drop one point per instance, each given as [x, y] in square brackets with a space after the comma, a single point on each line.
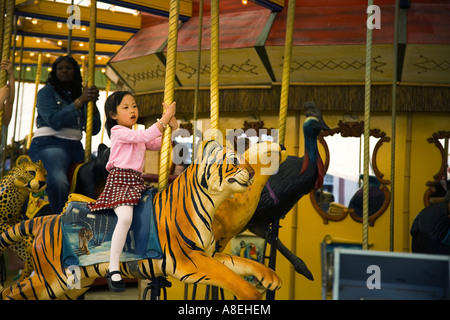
[89, 94]
[7, 65]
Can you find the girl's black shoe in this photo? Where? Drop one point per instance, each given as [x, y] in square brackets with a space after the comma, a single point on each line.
[115, 286]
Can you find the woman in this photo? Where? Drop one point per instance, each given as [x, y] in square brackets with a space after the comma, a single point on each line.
[62, 109]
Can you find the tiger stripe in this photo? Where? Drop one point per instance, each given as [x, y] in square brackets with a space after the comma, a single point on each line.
[184, 213]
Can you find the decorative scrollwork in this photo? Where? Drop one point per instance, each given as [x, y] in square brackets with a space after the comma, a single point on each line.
[337, 65]
[435, 137]
[430, 64]
[354, 129]
[136, 77]
[245, 67]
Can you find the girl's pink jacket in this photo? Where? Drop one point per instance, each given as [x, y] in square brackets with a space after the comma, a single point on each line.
[128, 147]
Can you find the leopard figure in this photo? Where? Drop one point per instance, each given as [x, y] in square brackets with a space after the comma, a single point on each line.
[26, 177]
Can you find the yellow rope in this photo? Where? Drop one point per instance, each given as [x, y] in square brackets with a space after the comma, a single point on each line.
[2, 22]
[197, 82]
[6, 45]
[394, 119]
[284, 98]
[169, 91]
[91, 78]
[214, 82]
[368, 84]
[37, 81]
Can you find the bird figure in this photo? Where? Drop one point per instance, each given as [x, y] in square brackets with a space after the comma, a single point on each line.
[253, 254]
[243, 249]
[295, 178]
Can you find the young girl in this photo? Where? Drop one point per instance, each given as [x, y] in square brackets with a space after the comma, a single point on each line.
[125, 185]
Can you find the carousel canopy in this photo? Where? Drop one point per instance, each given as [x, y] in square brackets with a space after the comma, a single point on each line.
[328, 58]
[43, 27]
[329, 50]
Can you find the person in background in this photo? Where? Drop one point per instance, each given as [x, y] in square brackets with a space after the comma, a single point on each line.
[61, 118]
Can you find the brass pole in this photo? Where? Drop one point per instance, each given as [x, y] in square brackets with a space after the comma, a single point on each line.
[169, 92]
[91, 79]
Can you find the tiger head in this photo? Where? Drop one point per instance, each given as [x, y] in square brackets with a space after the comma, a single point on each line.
[28, 175]
[221, 170]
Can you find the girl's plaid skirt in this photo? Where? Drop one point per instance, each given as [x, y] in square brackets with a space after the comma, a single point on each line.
[123, 187]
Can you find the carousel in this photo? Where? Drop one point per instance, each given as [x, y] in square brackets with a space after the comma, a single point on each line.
[354, 205]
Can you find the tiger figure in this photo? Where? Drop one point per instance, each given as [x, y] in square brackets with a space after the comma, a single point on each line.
[184, 213]
[15, 187]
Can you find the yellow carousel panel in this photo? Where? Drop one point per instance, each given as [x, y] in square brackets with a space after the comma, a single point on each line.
[427, 64]
[141, 74]
[237, 67]
[338, 63]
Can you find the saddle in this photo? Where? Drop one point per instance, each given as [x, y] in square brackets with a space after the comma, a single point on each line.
[87, 235]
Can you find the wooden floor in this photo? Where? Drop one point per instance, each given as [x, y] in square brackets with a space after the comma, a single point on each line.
[101, 292]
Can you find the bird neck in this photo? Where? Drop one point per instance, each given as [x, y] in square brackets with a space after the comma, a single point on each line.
[312, 158]
[311, 149]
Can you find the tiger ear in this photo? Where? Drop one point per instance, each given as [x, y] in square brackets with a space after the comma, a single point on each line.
[23, 158]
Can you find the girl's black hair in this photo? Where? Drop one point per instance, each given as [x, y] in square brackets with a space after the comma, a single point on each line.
[111, 104]
[77, 84]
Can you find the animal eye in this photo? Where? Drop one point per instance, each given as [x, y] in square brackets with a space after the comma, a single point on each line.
[33, 173]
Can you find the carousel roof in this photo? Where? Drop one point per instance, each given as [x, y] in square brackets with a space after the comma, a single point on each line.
[328, 57]
[329, 45]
